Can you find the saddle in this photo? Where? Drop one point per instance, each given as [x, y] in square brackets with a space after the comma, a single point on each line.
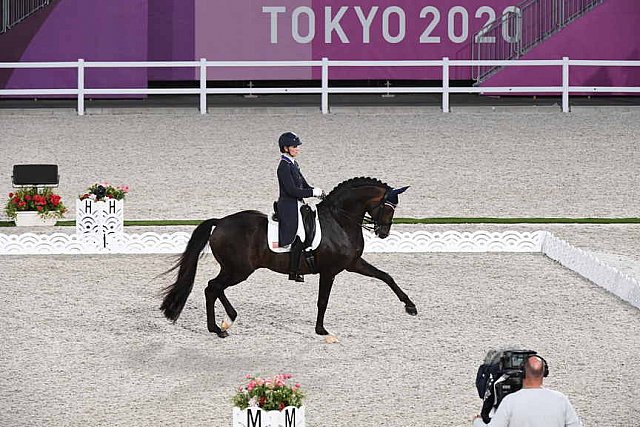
[308, 229]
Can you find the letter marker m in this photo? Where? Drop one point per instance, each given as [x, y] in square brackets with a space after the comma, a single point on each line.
[290, 422]
[254, 422]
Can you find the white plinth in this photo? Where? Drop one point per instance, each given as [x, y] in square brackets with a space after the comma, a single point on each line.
[256, 417]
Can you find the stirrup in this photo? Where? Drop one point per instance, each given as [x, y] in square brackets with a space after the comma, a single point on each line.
[296, 277]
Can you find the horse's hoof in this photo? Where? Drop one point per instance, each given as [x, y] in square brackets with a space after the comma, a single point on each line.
[411, 309]
[226, 324]
[331, 339]
[223, 334]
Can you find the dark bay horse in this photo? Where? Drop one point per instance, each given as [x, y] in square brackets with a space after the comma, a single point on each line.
[239, 244]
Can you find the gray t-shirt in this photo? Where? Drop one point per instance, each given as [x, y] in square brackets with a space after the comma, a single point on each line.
[534, 407]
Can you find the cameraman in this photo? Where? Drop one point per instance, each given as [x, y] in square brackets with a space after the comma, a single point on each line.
[533, 405]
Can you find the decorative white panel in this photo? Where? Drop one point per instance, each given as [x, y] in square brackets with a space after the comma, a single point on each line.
[104, 219]
[590, 267]
[149, 243]
[454, 241]
[37, 244]
[420, 241]
[122, 243]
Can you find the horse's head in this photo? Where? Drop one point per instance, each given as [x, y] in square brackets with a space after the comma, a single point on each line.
[382, 212]
[357, 197]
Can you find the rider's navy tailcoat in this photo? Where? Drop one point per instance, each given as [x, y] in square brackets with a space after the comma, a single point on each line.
[293, 187]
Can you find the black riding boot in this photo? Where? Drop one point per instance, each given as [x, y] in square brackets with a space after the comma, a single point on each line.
[294, 260]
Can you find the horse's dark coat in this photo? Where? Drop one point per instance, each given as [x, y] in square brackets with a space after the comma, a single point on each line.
[239, 244]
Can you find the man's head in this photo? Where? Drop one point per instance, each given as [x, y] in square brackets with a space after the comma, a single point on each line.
[534, 371]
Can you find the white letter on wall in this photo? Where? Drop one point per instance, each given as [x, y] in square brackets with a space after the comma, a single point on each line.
[295, 24]
[401, 24]
[366, 22]
[273, 11]
[333, 24]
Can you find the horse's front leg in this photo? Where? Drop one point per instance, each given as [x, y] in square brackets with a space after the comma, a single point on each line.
[363, 267]
[326, 283]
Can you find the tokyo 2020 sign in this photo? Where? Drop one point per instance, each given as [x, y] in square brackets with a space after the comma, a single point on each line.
[344, 29]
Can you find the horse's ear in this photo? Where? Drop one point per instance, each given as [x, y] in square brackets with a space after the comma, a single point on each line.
[399, 190]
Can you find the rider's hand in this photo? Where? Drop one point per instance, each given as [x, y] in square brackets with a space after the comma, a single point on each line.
[317, 192]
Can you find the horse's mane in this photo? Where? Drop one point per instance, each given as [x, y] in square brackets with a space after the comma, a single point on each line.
[342, 188]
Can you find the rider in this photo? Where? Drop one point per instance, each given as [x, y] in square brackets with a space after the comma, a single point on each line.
[293, 188]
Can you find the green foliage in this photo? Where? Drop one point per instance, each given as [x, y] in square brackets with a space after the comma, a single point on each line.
[44, 201]
[270, 394]
[104, 191]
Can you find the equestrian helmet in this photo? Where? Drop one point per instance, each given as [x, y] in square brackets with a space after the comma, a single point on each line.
[288, 139]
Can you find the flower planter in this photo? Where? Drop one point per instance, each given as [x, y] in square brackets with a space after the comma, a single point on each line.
[33, 219]
[256, 417]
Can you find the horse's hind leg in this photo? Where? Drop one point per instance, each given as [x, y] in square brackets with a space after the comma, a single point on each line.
[215, 290]
[231, 312]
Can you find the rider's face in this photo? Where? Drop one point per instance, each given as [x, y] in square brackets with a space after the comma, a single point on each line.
[293, 151]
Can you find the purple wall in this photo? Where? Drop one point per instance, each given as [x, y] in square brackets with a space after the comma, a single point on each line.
[171, 37]
[93, 30]
[133, 30]
[14, 42]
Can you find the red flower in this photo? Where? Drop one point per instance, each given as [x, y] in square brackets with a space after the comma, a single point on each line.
[281, 406]
[262, 401]
[39, 208]
[10, 195]
[27, 197]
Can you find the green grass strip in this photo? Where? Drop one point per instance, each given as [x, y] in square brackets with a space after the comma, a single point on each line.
[440, 220]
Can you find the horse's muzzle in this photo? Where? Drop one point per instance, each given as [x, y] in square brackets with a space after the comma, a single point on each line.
[381, 233]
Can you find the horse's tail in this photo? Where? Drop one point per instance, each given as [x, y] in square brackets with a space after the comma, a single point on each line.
[175, 295]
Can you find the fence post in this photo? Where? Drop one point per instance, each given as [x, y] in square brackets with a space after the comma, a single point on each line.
[81, 87]
[203, 86]
[445, 85]
[325, 86]
[5, 16]
[565, 84]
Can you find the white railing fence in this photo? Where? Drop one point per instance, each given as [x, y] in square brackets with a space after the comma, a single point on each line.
[324, 90]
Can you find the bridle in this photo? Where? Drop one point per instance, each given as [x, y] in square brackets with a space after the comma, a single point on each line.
[373, 222]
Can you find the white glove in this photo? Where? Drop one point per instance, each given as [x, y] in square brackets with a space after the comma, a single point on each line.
[317, 192]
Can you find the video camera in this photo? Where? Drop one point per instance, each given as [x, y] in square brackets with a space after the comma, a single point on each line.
[499, 375]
